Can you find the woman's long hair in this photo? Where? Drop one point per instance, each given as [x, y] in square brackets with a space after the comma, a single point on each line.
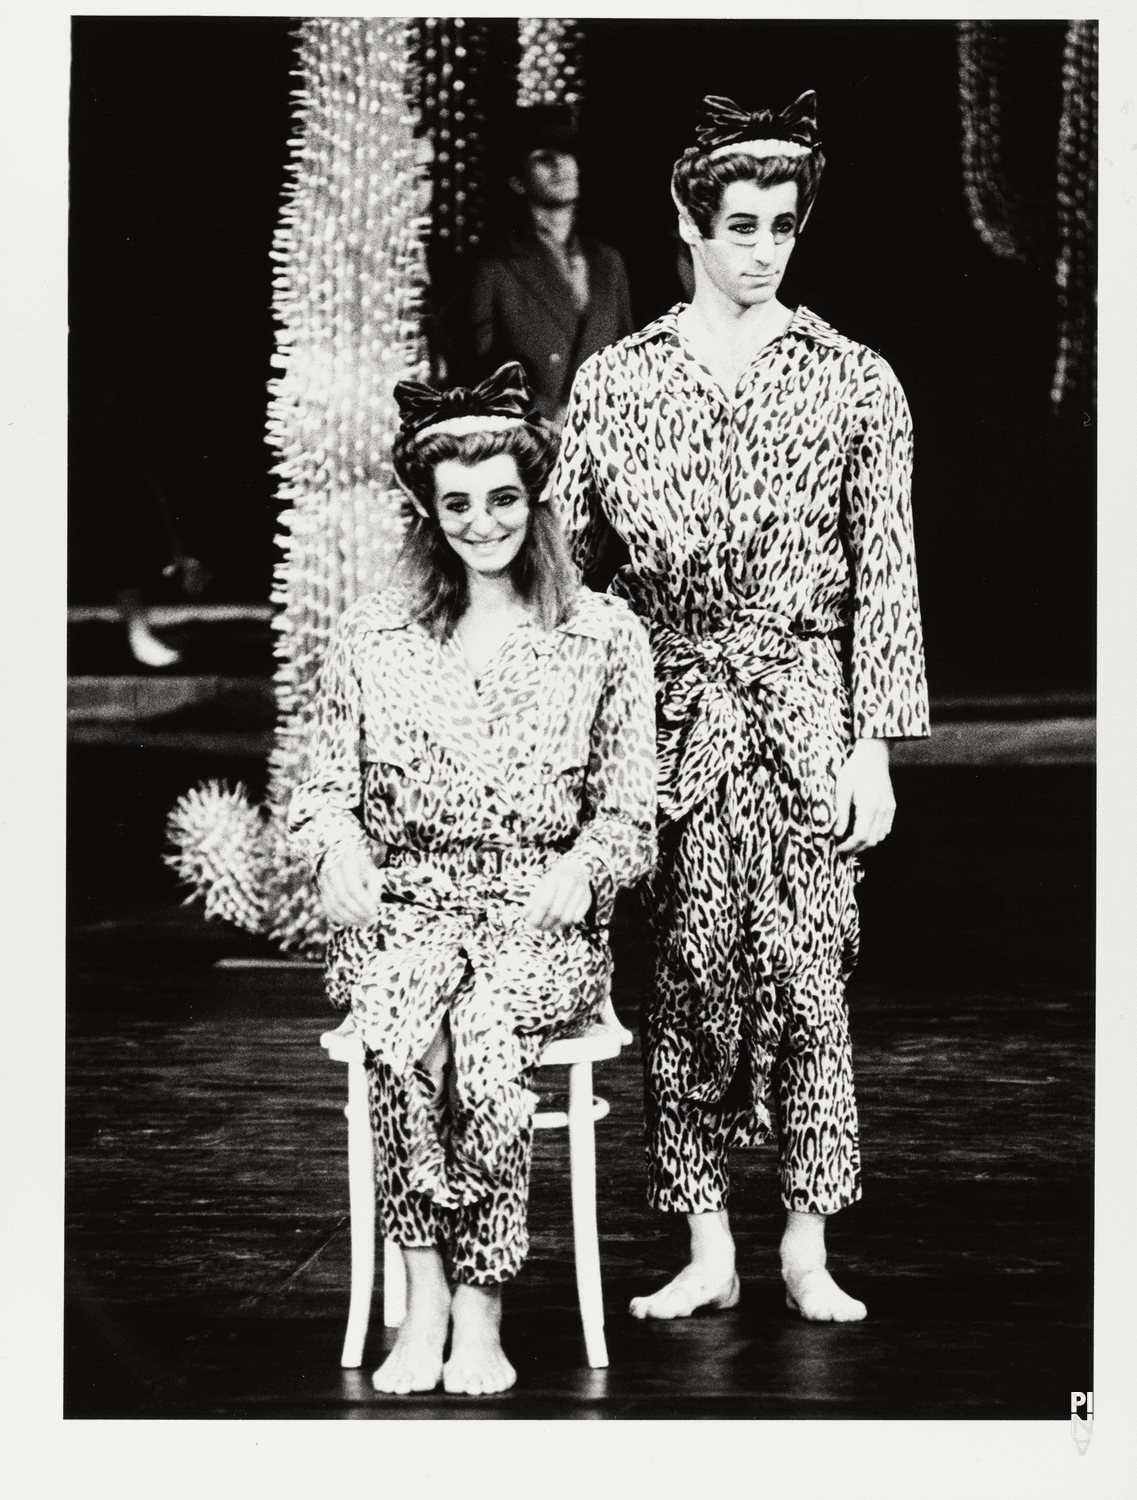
[432, 571]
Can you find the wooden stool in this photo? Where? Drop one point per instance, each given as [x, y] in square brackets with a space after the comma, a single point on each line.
[577, 1054]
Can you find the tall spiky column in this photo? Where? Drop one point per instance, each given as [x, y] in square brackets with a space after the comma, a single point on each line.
[347, 296]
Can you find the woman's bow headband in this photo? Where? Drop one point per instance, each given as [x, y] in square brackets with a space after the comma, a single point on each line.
[502, 400]
[723, 127]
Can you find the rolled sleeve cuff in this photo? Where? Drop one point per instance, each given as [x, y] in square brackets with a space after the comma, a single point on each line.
[600, 878]
[316, 838]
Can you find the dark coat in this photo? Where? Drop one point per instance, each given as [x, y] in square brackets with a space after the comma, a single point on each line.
[521, 307]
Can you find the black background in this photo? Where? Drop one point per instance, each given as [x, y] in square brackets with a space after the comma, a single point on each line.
[179, 144]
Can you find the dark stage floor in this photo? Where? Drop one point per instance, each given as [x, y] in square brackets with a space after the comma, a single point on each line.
[207, 1191]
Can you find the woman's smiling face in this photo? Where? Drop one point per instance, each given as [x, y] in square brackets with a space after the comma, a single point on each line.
[483, 510]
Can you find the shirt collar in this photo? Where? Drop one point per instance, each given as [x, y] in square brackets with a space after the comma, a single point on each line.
[391, 611]
[585, 620]
[803, 324]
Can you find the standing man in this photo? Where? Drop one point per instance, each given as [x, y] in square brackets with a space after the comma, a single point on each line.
[547, 296]
[756, 464]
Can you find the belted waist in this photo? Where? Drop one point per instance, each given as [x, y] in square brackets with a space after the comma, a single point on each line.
[464, 877]
[705, 685]
[480, 859]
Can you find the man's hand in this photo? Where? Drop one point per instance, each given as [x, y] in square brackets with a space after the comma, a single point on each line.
[350, 887]
[561, 896]
[864, 789]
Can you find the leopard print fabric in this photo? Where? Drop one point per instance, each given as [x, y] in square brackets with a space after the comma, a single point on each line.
[551, 749]
[760, 529]
[467, 792]
[483, 1243]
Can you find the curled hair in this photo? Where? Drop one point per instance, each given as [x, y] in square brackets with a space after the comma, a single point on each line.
[698, 181]
[435, 575]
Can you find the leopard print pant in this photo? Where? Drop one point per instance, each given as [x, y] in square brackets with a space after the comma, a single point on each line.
[739, 1045]
[483, 1243]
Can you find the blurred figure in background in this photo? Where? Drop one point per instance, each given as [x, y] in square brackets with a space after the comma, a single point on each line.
[125, 541]
[547, 296]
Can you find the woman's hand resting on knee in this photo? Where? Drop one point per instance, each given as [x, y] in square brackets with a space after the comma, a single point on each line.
[350, 887]
[561, 896]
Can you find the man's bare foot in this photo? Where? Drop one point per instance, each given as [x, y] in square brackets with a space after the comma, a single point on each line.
[477, 1365]
[708, 1281]
[415, 1363]
[811, 1291]
[697, 1285]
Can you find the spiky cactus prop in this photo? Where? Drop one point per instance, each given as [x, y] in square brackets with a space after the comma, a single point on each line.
[347, 296]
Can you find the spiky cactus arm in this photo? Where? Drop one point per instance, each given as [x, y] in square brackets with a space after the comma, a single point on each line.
[222, 853]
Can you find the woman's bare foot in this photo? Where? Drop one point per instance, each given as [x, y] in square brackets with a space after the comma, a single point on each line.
[810, 1290]
[415, 1363]
[477, 1365]
[708, 1281]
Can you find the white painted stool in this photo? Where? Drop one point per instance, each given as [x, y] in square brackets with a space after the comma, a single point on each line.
[577, 1054]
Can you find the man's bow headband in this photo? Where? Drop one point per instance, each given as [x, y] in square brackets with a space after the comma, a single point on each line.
[723, 127]
[502, 400]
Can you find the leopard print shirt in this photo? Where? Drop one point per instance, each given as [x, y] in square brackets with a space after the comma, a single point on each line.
[792, 499]
[552, 749]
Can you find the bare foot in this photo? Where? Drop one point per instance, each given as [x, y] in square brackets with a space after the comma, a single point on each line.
[709, 1279]
[415, 1363]
[147, 648]
[811, 1291]
[477, 1365]
[697, 1285]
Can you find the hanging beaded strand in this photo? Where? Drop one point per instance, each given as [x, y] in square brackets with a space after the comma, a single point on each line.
[549, 70]
[450, 53]
[1077, 207]
[989, 199]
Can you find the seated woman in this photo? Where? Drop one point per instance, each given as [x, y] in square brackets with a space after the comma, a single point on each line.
[486, 736]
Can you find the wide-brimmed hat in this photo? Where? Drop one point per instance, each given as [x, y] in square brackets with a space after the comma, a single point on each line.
[544, 127]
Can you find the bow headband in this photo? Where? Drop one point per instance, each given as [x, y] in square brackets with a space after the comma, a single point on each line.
[723, 127]
[502, 400]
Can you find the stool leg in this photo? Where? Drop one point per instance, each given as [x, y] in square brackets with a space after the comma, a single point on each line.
[394, 1285]
[361, 1193]
[582, 1159]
